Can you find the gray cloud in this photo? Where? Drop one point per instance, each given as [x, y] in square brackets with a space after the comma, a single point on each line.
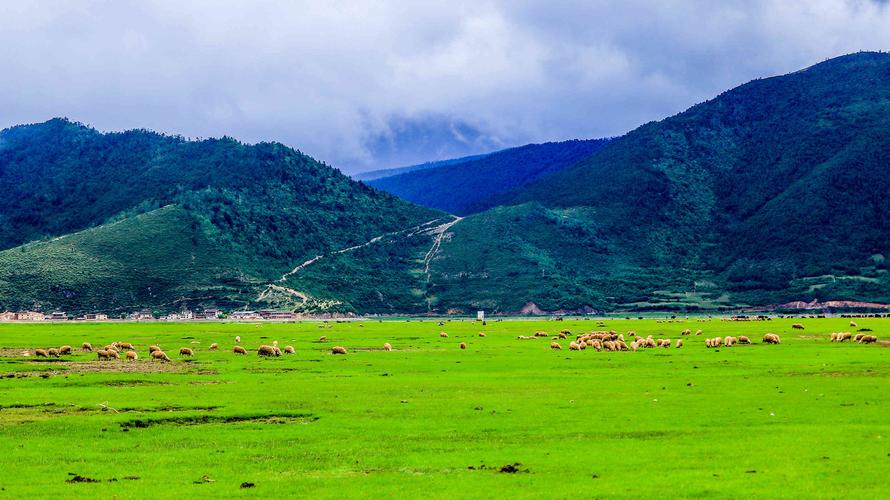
[375, 84]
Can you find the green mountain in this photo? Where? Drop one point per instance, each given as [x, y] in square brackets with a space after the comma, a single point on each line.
[389, 172]
[773, 191]
[469, 185]
[161, 221]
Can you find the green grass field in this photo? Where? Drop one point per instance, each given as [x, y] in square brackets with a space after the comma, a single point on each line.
[807, 418]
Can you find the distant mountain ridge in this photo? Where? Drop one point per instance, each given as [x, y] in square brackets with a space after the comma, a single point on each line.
[389, 172]
[470, 185]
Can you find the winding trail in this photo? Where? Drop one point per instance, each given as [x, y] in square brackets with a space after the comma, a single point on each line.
[439, 231]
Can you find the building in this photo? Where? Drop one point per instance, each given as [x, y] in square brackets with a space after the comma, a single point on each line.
[212, 314]
[480, 315]
[95, 317]
[7, 316]
[57, 316]
[29, 316]
[142, 315]
[276, 315]
[245, 315]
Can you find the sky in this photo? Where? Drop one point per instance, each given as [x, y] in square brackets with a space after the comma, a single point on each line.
[363, 85]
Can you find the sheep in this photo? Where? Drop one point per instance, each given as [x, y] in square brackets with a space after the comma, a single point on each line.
[338, 350]
[102, 354]
[621, 345]
[40, 353]
[113, 354]
[239, 350]
[842, 336]
[65, 349]
[520, 337]
[153, 348]
[596, 344]
[868, 339]
[744, 340]
[698, 332]
[387, 347]
[573, 346]
[541, 334]
[274, 343]
[771, 338]
[52, 351]
[834, 336]
[322, 339]
[112, 347]
[238, 339]
[717, 341]
[555, 346]
[562, 336]
[728, 341]
[132, 356]
[664, 343]
[797, 326]
[159, 354]
[289, 349]
[265, 350]
[86, 347]
[634, 345]
[481, 334]
[185, 351]
[686, 332]
[679, 343]
[214, 346]
[443, 335]
[463, 346]
[853, 324]
[124, 346]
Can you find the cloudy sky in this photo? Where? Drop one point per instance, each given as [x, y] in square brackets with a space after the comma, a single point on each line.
[372, 84]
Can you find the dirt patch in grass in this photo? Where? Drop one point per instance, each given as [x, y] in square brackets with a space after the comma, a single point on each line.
[280, 418]
[63, 367]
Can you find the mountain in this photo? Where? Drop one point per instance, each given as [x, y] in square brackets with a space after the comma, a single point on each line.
[470, 185]
[389, 172]
[774, 192]
[771, 192]
[141, 219]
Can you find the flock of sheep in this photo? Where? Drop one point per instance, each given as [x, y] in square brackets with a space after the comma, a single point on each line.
[600, 340]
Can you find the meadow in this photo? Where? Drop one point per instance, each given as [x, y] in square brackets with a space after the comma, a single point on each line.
[505, 418]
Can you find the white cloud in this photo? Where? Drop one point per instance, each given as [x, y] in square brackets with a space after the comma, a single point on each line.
[368, 84]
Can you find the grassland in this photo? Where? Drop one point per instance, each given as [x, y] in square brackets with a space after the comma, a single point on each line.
[807, 418]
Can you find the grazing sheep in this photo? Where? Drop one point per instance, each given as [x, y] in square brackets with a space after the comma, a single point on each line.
[541, 334]
[621, 345]
[265, 350]
[868, 339]
[185, 351]
[238, 339]
[853, 324]
[679, 343]
[338, 350]
[797, 326]
[153, 348]
[274, 343]
[124, 346]
[842, 336]
[744, 340]
[214, 346]
[443, 335]
[596, 344]
[102, 354]
[834, 336]
[65, 349]
[40, 353]
[239, 350]
[634, 345]
[717, 341]
[52, 351]
[112, 347]
[698, 332]
[481, 334]
[322, 339]
[664, 342]
[858, 337]
[86, 347]
[387, 347]
[113, 354]
[562, 336]
[555, 346]
[463, 345]
[771, 338]
[574, 346]
[289, 349]
[521, 337]
[686, 332]
[159, 355]
[132, 356]
[729, 341]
